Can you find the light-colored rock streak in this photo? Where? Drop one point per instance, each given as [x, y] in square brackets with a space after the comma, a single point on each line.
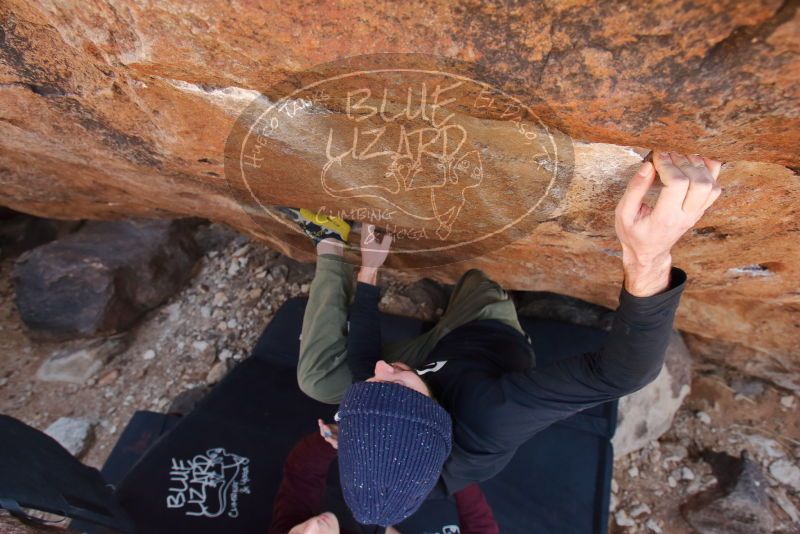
[232, 100]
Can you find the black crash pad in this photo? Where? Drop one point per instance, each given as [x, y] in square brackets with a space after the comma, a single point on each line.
[216, 470]
[557, 482]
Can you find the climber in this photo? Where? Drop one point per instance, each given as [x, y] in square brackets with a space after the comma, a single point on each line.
[428, 416]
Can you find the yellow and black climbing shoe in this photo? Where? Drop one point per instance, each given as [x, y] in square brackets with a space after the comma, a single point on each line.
[318, 226]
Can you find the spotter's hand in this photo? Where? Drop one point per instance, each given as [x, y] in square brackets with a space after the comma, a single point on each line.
[329, 432]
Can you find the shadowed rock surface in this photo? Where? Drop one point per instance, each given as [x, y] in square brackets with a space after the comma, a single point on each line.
[739, 504]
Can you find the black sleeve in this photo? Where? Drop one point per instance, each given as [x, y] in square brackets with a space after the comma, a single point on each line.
[364, 336]
[523, 403]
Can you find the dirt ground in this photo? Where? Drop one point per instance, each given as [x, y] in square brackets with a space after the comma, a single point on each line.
[215, 320]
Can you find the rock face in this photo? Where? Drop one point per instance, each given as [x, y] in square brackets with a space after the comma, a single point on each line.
[111, 110]
[645, 415]
[101, 279]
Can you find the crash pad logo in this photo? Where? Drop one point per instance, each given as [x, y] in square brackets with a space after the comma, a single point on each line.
[210, 484]
[419, 146]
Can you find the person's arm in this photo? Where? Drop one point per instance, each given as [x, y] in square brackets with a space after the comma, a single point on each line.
[305, 472]
[631, 358]
[527, 402]
[364, 335]
[474, 513]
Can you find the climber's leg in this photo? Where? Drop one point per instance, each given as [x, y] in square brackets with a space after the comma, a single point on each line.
[475, 297]
[322, 371]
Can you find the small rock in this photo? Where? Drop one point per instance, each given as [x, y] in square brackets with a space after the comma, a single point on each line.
[219, 298]
[222, 325]
[217, 372]
[200, 346]
[233, 269]
[614, 485]
[640, 509]
[653, 526]
[108, 378]
[77, 366]
[205, 312]
[704, 418]
[623, 520]
[687, 474]
[255, 293]
[73, 434]
[766, 447]
[173, 311]
[149, 354]
[787, 401]
[304, 288]
[786, 472]
[693, 487]
[671, 481]
[748, 387]
[612, 503]
[241, 251]
[633, 472]
[232, 323]
[3, 381]
[224, 354]
[673, 452]
[279, 272]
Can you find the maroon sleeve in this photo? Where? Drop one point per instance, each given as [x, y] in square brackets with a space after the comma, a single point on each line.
[474, 513]
[304, 475]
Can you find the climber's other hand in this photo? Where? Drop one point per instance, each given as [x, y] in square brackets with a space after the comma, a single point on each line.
[374, 250]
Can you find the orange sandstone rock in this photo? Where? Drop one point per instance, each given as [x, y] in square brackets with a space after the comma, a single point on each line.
[117, 109]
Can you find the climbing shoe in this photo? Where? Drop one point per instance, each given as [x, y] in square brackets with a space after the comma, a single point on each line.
[317, 226]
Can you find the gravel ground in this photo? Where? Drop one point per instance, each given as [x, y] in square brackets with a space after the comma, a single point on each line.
[201, 332]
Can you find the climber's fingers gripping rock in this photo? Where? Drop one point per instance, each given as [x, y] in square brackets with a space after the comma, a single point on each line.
[690, 187]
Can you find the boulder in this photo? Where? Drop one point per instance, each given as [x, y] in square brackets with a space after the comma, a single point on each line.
[123, 110]
[103, 278]
[648, 413]
[739, 504]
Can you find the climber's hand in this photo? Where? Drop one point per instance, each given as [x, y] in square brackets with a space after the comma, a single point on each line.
[374, 251]
[648, 234]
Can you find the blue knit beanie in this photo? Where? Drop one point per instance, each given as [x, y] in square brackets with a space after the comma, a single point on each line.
[393, 442]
